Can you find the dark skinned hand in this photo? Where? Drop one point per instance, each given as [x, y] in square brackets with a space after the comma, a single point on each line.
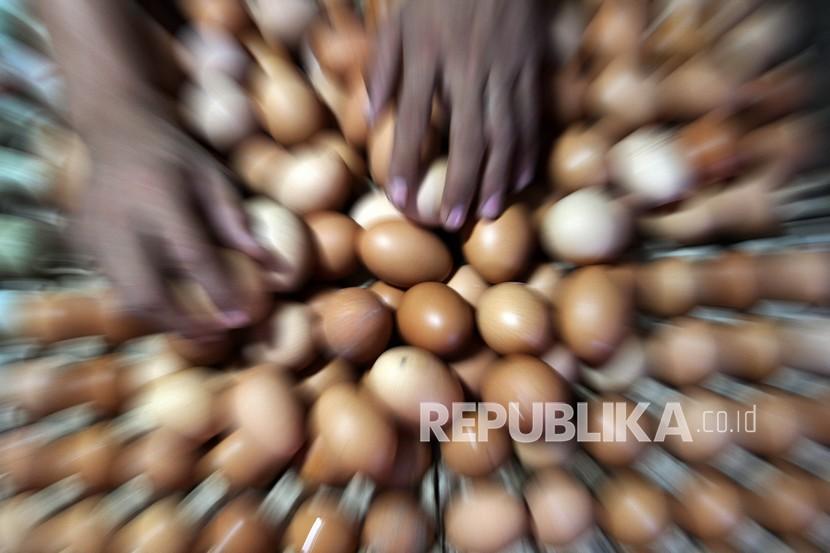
[482, 59]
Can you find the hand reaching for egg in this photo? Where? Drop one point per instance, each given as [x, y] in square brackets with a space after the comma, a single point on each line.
[142, 217]
[481, 58]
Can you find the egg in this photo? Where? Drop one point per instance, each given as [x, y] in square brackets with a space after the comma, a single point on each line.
[181, 402]
[403, 378]
[316, 179]
[623, 96]
[578, 159]
[336, 371]
[514, 319]
[321, 526]
[485, 519]
[218, 109]
[695, 88]
[238, 527]
[355, 433]
[355, 325]
[728, 280]
[542, 454]
[649, 165]
[285, 339]
[389, 295]
[479, 456]
[615, 29]
[621, 370]
[379, 147]
[224, 14]
[341, 46]
[620, 446]
[353, 115]
[374, 207]
[546, 279]
[666, 287]
[249, 282]
[500, 250]
[286, 105]
[255, 158]
[430, 193]
[473, 365]
[468, 283]
[350, 156]
[207, 49]
[709, 145]
[434, 317]
[632, 511]
[395, 523]
[241, 461]
[786, 503]
[286, 237]
[777, 425]
[561, 508]
[334, 236]
[284, 21]
[710, 507]
[694, 404]
[563, 361]
[162, 456]
[585, 227]
[158, 528]
[594, 314]
[320, 467]
[402, 254]
[525, 381]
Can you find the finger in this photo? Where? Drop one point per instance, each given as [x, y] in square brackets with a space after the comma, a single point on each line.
[465, 157]
[192, 256]
[414, 109]
[527, 109]
[501, 135]
[385, 67]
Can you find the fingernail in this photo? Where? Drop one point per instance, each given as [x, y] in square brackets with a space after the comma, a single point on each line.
[492, 207]
[455, 219]
[525, 178]
[397, 192]
[235, 319]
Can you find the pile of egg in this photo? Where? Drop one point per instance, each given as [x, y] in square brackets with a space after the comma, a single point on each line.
[671, 251]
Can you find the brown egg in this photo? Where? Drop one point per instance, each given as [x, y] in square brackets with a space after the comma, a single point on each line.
[777, 425]
[224, 14]
[238, 528]
[710, 507]
[602, 419]
[501, 249]
[254, 158]
[286, 339]
[412, 460]
[628, 364]
[334, 236]
[786, 141]
[401, 254]
[379, 147]
[163, 456]
[468, 283]
[480, 456]
[396, 523]
[684, 352]
[352, 119]
[342, 46]
[485, 519]
[578, 159]
[198, 353]
[536, 456]
[316, 179]
[594, 314]
[561, 508]
[84, 527]
[695, 88]
[158, 529]
[182, 402]
[632, 511]
[546, 279]
[241, 461]
[526, 381]
[623, 95]
[434, 317]
[473, 366]
[403, 378]
[355, 325]
[749, 350]
[334, 372]
[586, 226]
[319, 526]
[320, 467]
[786, 503]
[615, 29]
[705, 444]
[286, 104]
[666, 287]
[374, 207]
[728, 280]
[336, 143]
[286, 236]
[90, 454]
[710, 145]
[265, 407]
[801, 276]
[357, 434]
[512, 318]
[389, 295]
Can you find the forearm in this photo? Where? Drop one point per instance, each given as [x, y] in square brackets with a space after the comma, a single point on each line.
[102, 47]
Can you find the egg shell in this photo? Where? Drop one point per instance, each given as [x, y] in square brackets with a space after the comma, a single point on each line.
[256, 159]
[181, 402]
[468, 283]
[316, 179]
[704, 445]
[512, 318]
[286, 105]
[374, 207]
[561, 508]
[485, 519]
[434, 317]
[710, 508]
[578, 159]
[430, 193]
[471, 367]
[402, 254]
[666, 287]
[615, 29]
[320, 467]
[500, 250]
[356, 433]
[623, 95]
[403, 378]
[526, 381]
[238, 527]
[319, 526]
[164, 457]
[623, 447]
[389, 295]
[632, 511]
[286, 339]
[628, 364]
[728, 280]
[395, 523]
[334, 236]
[241, 461]
[695, 88]
[337, 143]
[787, 504]
[412, 460]
[336, 371]
[157, 529]
[355, 325]
[477, 457]
[89, 454]
[287, 237]
[594, 314]
[265, 406]
[710, 145]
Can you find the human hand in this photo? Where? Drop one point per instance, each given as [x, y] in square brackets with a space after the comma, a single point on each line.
[156, 207]
[482, 57]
